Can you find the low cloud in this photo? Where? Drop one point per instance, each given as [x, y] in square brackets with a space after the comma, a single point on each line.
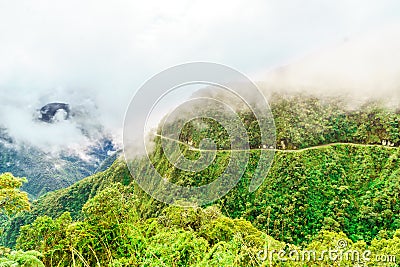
[358, 69]
[20, 117]
[94, 55]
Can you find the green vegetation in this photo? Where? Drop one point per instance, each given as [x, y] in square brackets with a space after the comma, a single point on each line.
[345, 186]
[19, 258]
[303, 121]
[45, 173]
[113, 234]
[12, 200]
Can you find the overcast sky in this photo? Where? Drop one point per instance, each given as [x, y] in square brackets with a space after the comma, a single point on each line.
[104, 50]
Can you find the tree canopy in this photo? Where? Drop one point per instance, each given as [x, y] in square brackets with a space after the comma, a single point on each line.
[12, 199]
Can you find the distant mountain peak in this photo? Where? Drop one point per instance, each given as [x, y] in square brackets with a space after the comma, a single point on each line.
[55, 112]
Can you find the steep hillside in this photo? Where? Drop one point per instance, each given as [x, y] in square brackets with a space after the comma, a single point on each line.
[349, 188]
[352, 188]
[344, 178]
[303, 121]
[47, 172]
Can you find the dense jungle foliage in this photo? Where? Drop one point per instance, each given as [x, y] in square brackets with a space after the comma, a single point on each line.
[335, 180]
[305, 121]
[47, 172]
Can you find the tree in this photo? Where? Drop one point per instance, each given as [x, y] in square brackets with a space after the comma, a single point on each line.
[20, 258]
[12, 199]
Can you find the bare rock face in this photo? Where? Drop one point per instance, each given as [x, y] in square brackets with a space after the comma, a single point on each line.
[54, 111]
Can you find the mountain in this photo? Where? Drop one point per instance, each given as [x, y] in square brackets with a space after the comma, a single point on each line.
[316, 140]
[49, 112]
[47, 171]
[335, 177]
